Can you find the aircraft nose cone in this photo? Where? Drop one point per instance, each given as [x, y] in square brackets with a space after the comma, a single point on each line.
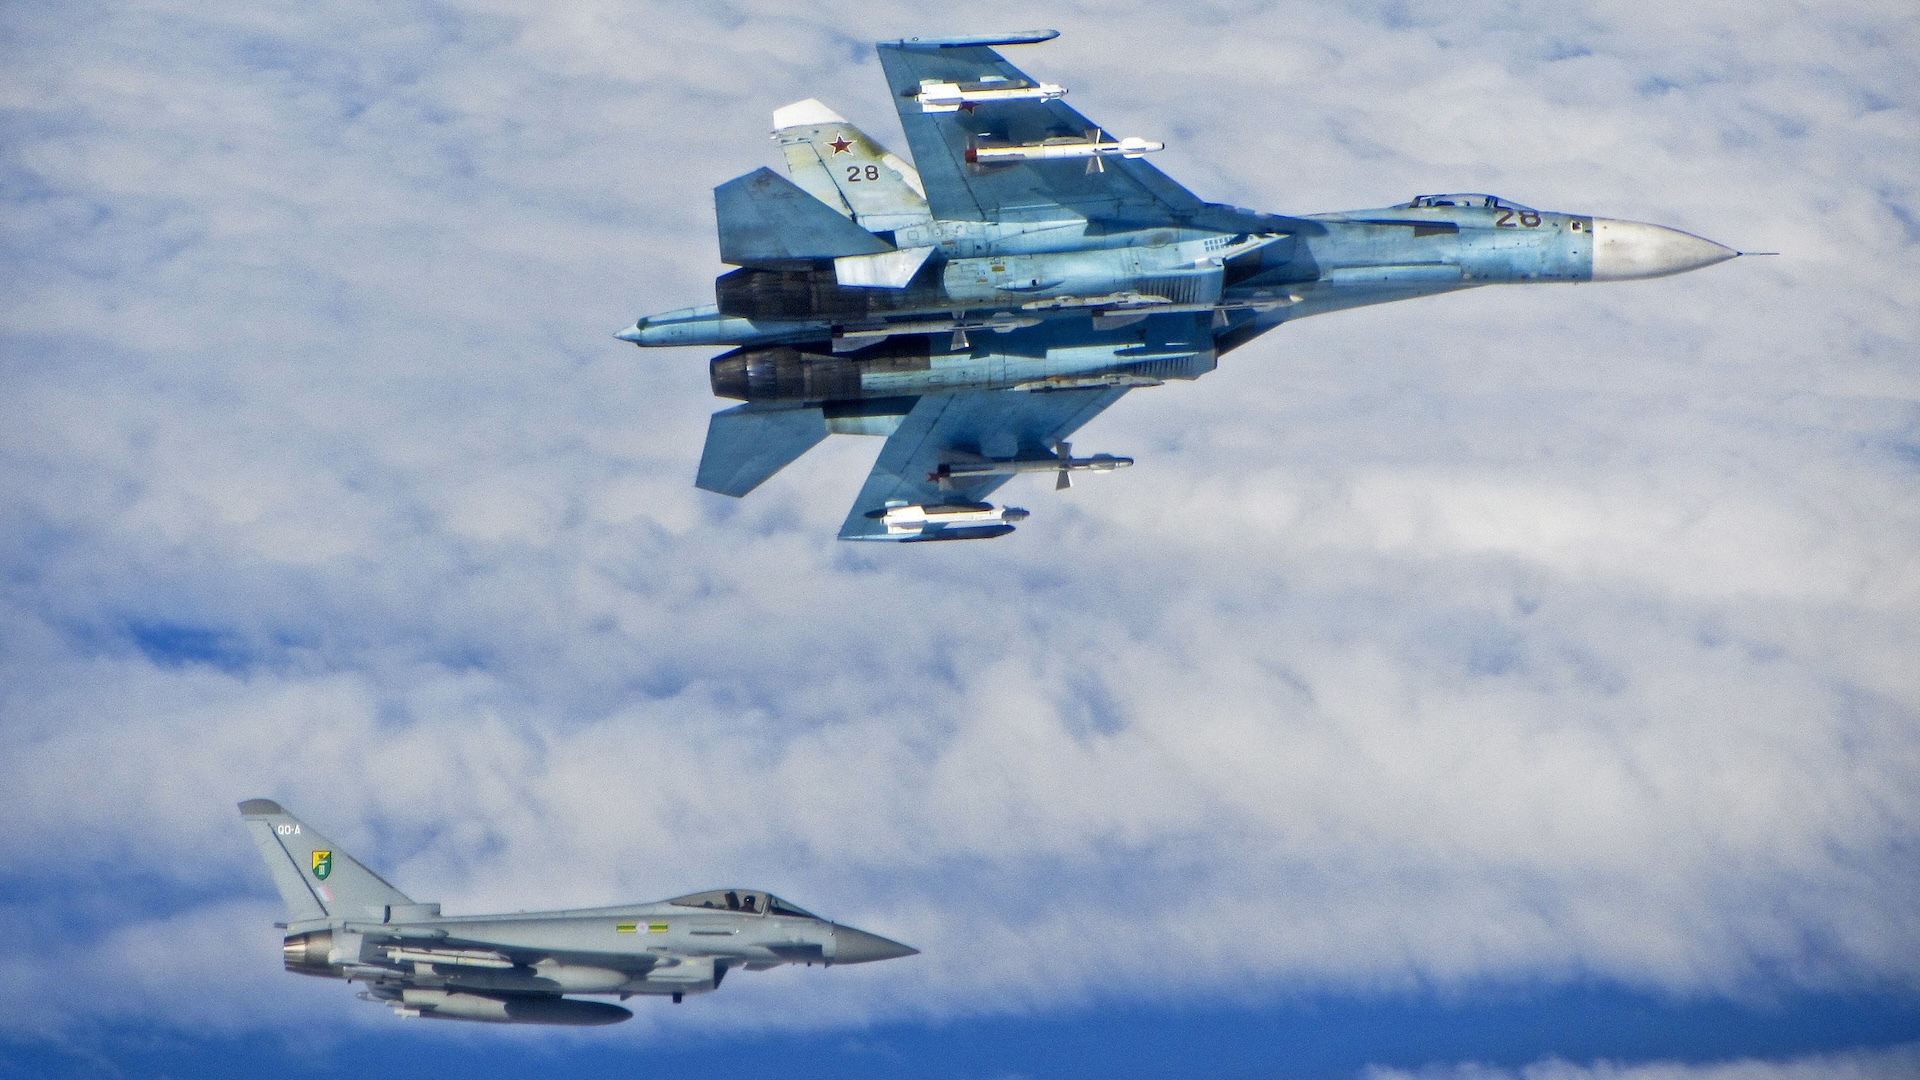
[1632, 249]
[852, 946]
[635, 333]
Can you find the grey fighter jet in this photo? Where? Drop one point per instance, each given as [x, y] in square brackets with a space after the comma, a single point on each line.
[1026, 271]
[345, 922]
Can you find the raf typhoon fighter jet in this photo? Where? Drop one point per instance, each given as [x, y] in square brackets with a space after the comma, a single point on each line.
[978, 306]
[347, 923]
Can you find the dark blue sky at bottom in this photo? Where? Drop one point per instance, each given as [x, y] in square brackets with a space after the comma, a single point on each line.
[1304, 1038]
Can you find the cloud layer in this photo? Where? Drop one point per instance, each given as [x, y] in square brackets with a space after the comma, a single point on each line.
[1890, 1064]
[1525, 635]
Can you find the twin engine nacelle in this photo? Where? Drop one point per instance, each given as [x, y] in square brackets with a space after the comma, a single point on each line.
[1186, 274]
[784, 373]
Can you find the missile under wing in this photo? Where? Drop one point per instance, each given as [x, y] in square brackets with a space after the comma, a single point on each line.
[946, 145]
[345, 922]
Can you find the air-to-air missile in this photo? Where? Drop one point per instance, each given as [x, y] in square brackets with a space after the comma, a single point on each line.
[936, 96]
[979, 305]
[1095, 146]
[1062, 463]
[345, 922]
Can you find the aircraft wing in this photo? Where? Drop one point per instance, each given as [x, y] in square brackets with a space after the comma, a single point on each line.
[1124, 190]
[967, 424]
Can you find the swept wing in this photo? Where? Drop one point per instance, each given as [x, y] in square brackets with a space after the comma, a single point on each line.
[1123, 190]
[964, 425]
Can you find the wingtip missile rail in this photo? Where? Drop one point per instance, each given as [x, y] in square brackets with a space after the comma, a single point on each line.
[1018, 37]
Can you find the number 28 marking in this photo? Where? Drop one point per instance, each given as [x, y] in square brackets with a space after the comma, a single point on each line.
[1529, 218]
[857, 173]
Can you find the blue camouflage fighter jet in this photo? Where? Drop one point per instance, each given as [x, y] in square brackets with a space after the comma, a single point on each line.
[980, 305]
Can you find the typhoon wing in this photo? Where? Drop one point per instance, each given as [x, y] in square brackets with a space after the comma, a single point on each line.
[959, 100]
[965, 426]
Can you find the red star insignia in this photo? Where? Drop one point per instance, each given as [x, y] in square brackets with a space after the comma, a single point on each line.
[840, 144]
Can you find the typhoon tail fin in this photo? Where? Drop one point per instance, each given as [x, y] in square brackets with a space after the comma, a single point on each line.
[316, 879]
[838, 164]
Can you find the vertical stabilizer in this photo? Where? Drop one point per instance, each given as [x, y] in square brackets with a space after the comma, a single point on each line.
[838, 164]
[316, 879]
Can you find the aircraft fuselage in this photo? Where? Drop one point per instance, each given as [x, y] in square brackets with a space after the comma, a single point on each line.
[1040, 306]
[1026, 272]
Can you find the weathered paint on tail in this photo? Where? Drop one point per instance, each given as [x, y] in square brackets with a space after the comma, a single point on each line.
[838, 164]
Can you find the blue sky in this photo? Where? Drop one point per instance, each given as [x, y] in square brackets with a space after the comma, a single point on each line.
[1514, 683]
[1502, 1033]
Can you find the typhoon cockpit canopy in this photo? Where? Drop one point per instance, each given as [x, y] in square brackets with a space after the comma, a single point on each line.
[744, 900]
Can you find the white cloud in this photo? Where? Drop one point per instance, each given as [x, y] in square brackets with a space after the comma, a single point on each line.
[1893, 1064]
[1511, 635]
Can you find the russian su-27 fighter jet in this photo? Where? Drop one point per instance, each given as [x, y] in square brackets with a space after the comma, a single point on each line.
[1026, 271]
[345, 922]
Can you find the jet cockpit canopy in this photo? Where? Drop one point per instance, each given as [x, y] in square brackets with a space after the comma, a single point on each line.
[746, 901]
[1474, 199]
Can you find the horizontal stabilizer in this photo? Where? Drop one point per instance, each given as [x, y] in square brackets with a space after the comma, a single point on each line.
[746, 445]
[766, 219]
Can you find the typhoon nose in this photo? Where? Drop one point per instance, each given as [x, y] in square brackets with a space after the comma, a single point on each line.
[852, 946]
[1632, 249]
